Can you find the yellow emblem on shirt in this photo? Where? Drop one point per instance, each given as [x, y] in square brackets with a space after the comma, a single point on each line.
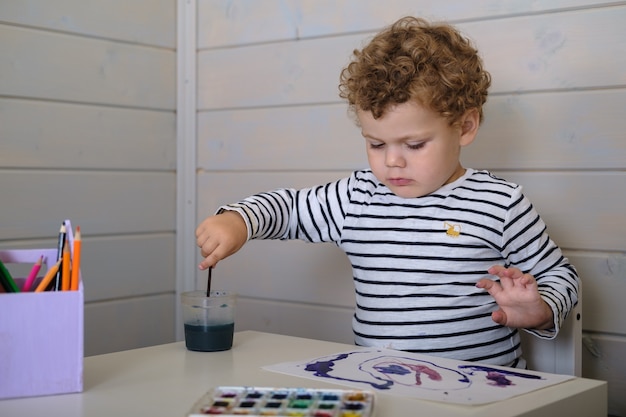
[452, 230]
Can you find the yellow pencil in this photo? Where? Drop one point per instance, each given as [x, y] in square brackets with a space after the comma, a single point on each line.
[76, 261]
[65, 267]
[48, 277]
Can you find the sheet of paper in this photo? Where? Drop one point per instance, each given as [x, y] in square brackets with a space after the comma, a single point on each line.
[420, 376]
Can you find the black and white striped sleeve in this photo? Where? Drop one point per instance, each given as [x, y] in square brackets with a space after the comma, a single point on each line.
[312, 214]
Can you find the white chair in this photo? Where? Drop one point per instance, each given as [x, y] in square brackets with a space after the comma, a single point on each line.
[562, 355]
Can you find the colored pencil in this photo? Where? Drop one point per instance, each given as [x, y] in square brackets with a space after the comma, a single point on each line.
[65, 267]
[32, 275]
[75, 277]
[48, 277]
[7, 280]
[56, 283]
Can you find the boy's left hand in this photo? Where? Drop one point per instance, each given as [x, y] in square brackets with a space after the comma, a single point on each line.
[518, 299]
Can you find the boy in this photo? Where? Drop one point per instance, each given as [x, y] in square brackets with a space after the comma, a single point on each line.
[446, 261]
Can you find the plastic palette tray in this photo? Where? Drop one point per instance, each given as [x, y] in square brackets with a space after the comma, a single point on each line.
[297, 402]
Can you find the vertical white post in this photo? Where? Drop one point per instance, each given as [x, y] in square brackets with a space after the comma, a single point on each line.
[185, 153]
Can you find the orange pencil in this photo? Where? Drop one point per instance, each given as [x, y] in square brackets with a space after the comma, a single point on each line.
[65, 267]
[76, 261]
[48, 277]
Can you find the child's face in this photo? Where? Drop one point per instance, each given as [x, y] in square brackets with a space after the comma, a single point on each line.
[413, 150]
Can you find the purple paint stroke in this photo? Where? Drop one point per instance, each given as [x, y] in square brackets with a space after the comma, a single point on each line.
[498, 377]
[418, 369]
[323, 369]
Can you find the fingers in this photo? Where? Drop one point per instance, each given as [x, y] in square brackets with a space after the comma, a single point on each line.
[208, 262]
[499, 317]
[510, 277]
[220, 236]
[502, 272]
[486, 283]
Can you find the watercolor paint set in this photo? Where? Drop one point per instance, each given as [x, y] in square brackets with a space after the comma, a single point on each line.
[296, 402]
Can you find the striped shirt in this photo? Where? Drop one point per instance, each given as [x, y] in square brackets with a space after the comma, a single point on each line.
[416, 261]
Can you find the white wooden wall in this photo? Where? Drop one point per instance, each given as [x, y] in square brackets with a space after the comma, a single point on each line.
[269, 116]
[87, 132]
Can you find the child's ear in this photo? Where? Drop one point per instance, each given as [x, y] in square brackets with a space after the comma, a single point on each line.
[469, 126]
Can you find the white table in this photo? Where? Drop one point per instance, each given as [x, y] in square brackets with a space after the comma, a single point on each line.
[166, 380]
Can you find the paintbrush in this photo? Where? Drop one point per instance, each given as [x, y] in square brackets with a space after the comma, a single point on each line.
[208, 283]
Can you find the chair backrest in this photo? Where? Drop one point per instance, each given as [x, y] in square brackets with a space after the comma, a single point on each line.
[562, 355]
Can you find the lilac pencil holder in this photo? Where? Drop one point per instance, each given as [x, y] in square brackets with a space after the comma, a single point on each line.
[41, 335]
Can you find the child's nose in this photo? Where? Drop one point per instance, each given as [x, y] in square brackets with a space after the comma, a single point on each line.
[394, 158]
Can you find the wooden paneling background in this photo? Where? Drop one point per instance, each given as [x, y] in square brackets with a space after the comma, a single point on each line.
[88, 110]
[88, 132]
[269, 116]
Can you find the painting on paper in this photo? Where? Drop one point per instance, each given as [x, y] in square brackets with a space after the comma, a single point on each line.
[425, 377]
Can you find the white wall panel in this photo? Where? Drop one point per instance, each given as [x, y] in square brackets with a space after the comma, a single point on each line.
[564, 130]
[306, 138]
[578, 49]
[300, 72]
[129, 323]
[223, 22]
[92, 137]
[603, 277]
[604, 360]
[35, 202]
[85, 70]
[303, 320]
[558, 51]
[238, 22]
[139, 21]
[582, 210]
[556, 130]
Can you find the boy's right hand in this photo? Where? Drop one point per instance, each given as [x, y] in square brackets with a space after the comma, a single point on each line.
[220, 236]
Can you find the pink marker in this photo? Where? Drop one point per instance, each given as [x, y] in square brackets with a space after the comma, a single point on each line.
[32, 275]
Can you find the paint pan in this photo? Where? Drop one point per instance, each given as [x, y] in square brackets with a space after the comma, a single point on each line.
[265, 401]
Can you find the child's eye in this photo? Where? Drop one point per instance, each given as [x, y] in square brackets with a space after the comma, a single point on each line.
[414, 146]
[376, 145]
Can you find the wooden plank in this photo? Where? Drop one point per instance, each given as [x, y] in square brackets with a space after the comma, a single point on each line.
[101, 202]
[583, 210]
[564, 130]
[113, 19]
[300, 72]
[129, 323]
[238, 22]
[85, 70]
[603, 278]
[603, 359]
[561, 130]
[222, 23]
[129, 266]
[118, 266]
[289, 138]
[90, 138]
[295, 319]
[554, 51]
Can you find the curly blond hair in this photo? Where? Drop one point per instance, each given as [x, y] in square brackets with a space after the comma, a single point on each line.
[415, 60]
